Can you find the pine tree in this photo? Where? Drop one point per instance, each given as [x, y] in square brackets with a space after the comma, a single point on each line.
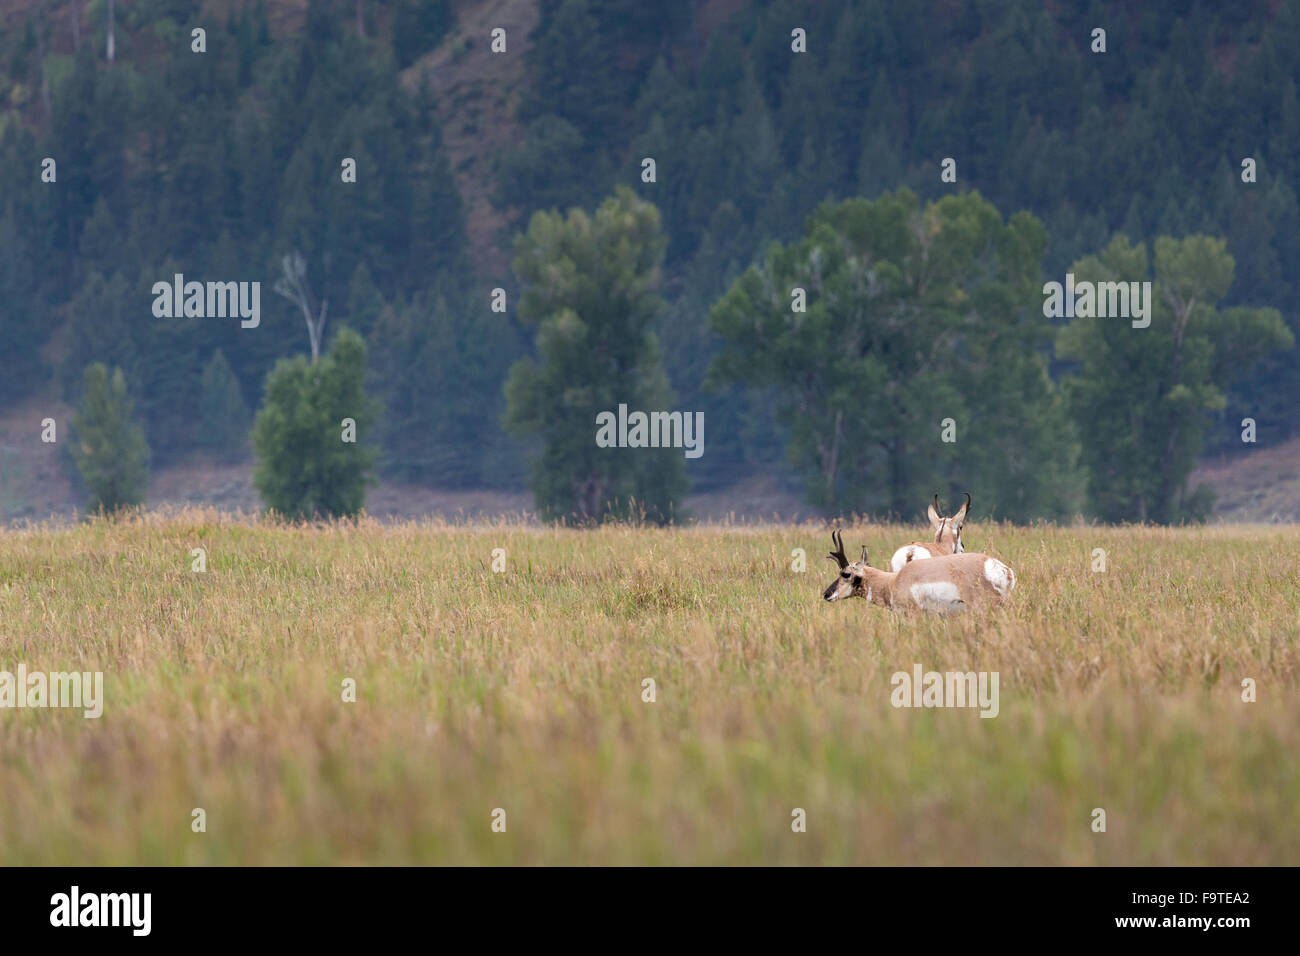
[419, 26]
[108, 445]
[436, 430]
[223, 414]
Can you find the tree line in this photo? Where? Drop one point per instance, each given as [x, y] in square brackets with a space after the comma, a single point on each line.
[907, 345]
[220, 165]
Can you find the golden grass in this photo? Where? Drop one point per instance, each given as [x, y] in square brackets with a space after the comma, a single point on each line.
[522, 690]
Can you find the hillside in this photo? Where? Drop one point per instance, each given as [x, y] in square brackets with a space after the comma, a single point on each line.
[1259, 486]
[477, 98]
[220, 165]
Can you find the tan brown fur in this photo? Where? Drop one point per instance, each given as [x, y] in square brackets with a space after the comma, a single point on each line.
[947, 536]
[945, 583]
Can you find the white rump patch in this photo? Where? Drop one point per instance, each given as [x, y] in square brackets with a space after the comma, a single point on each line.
[1000, 576]
[908, 552]
[938, 596]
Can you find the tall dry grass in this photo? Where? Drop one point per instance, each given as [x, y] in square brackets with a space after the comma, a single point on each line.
[523, 690]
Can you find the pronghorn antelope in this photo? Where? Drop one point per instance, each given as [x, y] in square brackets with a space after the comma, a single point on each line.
[947, 537]
[943, 584]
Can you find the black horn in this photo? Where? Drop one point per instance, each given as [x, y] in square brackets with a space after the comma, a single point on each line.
[839, 556]
[937, 509]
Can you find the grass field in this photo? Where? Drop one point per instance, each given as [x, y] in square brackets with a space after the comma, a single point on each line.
[522, 690]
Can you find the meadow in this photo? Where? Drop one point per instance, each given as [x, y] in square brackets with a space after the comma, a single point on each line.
[523, 690]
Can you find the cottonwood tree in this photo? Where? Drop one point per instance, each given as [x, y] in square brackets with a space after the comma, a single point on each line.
[1142, 398]
[589, 287]
[305, 467]
[913, 315]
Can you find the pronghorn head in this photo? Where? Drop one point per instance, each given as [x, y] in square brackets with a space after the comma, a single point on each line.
[947, 530]
[852, 581]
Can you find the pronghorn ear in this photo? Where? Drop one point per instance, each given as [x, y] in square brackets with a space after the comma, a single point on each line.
[934, 513]
[959, 517]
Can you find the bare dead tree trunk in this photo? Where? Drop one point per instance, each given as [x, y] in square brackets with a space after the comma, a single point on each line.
[110, 31]
[293, 286]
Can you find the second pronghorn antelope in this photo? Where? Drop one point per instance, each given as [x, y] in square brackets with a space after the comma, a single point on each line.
[947, 537]
[945, 584]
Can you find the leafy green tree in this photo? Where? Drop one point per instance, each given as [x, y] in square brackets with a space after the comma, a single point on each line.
[590, 289]
[223, 413]
[1142, 397]
[913, 315]
[306, 466]
[108, 445]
